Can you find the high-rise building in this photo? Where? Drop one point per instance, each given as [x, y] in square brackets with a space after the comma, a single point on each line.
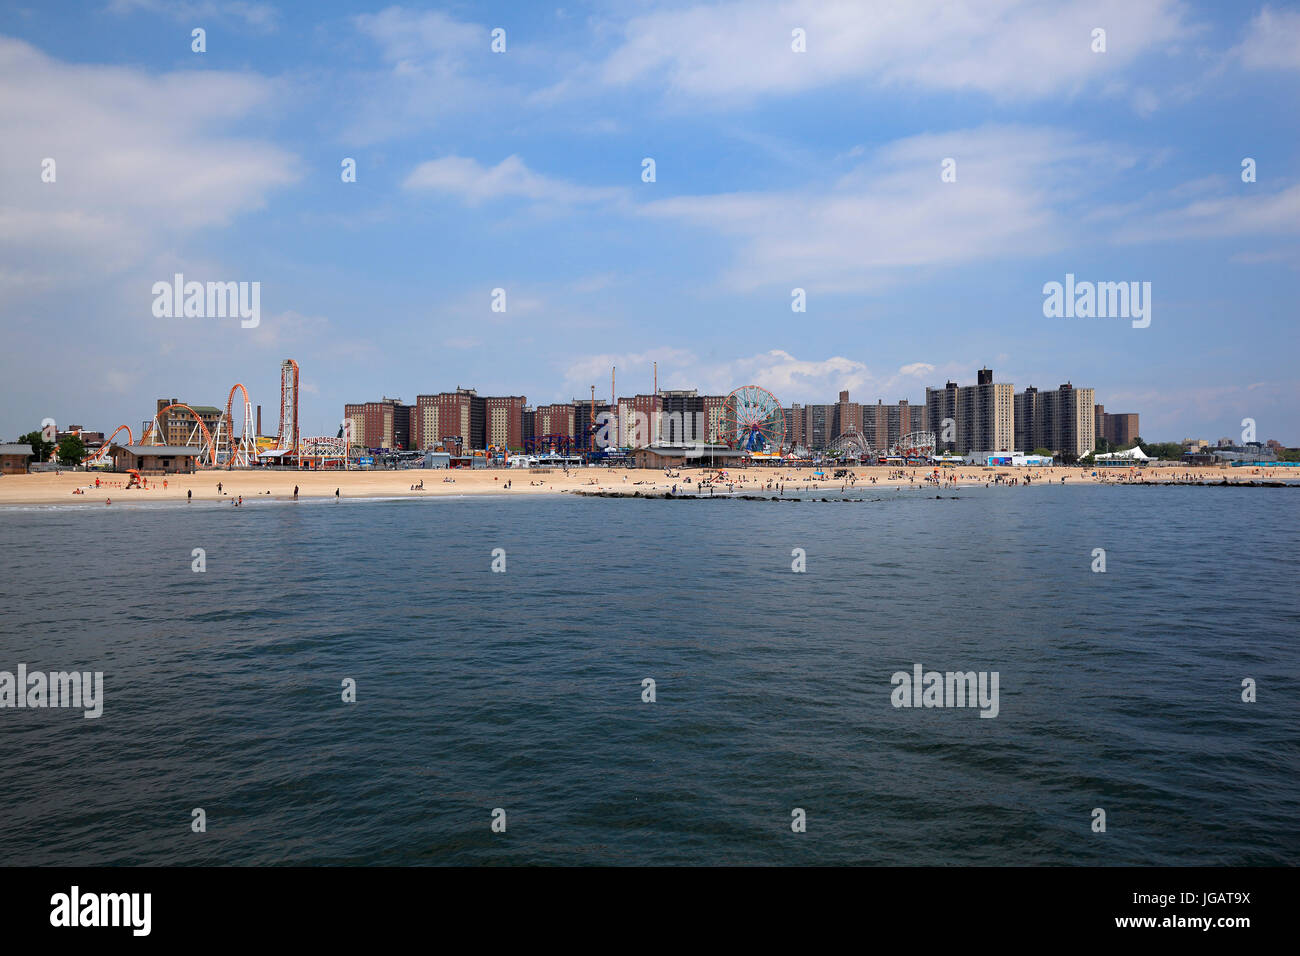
[527, 431]
[1072, 412]
[1029, 416]
[648, 412]
[682, 419]
[715, 414]
[638, 420]
[1062, 421]
[402, 426]
[818, 425]
[972, 418]
[382, 424]
[1120, 429]
[554, 424]
[794, 437]
[846, 417]
[504, 421]
[460, 415]
[885, 425]
[586, 421]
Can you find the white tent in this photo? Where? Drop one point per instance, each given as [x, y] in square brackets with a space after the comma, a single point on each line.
[1133, 454]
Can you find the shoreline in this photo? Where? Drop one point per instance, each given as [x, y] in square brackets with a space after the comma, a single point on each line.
[77, 488]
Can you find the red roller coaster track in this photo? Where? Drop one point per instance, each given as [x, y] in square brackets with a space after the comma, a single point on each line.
[100, 453]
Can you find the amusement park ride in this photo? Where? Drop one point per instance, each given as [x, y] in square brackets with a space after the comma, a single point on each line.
[222, 448]
[914, 445]
[754, 421]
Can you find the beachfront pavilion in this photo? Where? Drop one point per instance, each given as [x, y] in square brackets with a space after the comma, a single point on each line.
[156, 459]
[1132, 456]
[687, 456]
[13, 459]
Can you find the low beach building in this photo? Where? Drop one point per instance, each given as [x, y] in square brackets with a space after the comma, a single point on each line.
[156, 459]
[14, 458]
[687, 456]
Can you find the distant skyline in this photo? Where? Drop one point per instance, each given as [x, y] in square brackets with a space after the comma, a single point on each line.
[774, 170]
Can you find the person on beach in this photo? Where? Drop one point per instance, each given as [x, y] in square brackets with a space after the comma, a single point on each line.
[189, 494]
[295, 492]
[218, 487]
[336, 494]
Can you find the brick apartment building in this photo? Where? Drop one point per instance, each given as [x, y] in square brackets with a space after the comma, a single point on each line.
[382, 424]
[177, 426]
[1117, 428]
[504, 421]
[1062, 421]
[554, 422]
[982, 415]
[456, 418]
[815, 427]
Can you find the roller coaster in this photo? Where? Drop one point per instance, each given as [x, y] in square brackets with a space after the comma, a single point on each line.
[237, 453]
[913, 445]
[220, 447]
[853, 444]
[100, 454]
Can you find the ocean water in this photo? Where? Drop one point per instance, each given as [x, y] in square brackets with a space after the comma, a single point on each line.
[522, 690]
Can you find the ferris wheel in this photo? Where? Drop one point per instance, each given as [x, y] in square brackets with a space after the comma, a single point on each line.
[753, 420]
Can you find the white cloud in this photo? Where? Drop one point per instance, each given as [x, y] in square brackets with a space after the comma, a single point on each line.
[413, 37]
[140, 160]
[1251, 212]
[1011, 49]
[893, 213]
[790, 378]
[434, 66]
[586, 371]
[1272, 41]
[474, 183]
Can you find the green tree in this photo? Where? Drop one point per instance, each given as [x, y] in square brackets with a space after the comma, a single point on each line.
[1044, 452]
[1167, 450]
[71, 449]
[40, 447]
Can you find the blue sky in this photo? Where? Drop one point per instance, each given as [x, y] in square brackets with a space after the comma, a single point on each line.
[775, 170]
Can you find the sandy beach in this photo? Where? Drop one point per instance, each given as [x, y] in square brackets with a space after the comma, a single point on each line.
[78, 488]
